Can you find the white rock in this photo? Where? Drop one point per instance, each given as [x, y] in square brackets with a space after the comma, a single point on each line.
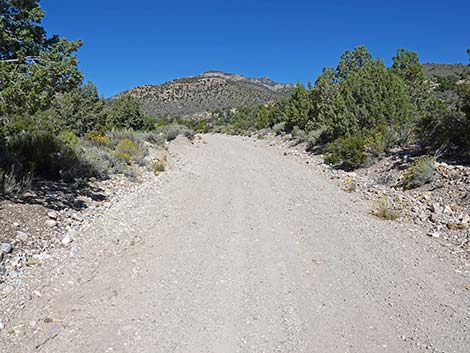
[22, 236]
[435, 234]
[52, 214]
[51, 223]
[66, 240]
[74, 251]
[5, 248]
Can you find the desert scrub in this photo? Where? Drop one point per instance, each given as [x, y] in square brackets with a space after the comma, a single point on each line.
[279, 128]
[349, 184]
[420, 172]
[352, 152]
[298, 134]
[11, 184]
[128, 151]
[172, 131]
[98, 138]
[347, 152]
[70, 139]
[386, 209]
[313, 138]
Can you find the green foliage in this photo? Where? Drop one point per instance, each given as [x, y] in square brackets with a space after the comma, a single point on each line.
[298, 134]
[171, 132]
[352, 61]
[406, 65]
[42, 154]
[447, 130]
[347, 152]
[128, 151]
[279, 128]
[33, 67]
[420, 172]
[298, 108]
[80, 111]
[125, 113]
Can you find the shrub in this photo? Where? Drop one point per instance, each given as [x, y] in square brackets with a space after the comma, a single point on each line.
[313, 138]
[420, 172]
[298, 134]
[172, 131]
[98, 138]
[386, 209]
[44, 155]
[70, 139]
[125, 113]
[279, 128]
[11, 184]
[129, 151]
[347, 152]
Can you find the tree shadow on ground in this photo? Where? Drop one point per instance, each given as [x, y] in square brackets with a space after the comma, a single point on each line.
[59, 195]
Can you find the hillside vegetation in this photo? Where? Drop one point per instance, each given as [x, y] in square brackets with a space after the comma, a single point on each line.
[54, 126]
[361, 110]
[431, 71]
[207, 92]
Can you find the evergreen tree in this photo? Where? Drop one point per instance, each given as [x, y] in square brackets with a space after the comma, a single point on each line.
[33, 67]
[79, 111]
[351, 61]
[298, 108]
[125, 113]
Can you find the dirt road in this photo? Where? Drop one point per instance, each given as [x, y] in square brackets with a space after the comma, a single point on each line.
[246, 250]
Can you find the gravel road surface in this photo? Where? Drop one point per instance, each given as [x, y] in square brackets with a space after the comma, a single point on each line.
[243, 249]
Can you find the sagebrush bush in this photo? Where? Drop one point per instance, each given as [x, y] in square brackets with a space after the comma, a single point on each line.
[298, 134]
[313, 138]
[279, 128]
[44, 155]
[420, 172]
[170, 132]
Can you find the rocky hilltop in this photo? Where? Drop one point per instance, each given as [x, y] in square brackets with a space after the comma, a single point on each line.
[209, 91]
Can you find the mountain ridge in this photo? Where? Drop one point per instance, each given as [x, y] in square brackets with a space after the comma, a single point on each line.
[207, 92]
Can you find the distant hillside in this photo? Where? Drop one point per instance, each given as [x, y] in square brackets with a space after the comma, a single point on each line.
[207, 92]
[444, 70]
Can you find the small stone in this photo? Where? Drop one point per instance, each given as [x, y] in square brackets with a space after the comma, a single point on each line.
[52, 214]
[7, 289]
[74, 251]
[51, 223]
[22, 236]
[66, 240]
[2, 325]
[436, 207]
[434, 234]
[16, 225]
[5, 248]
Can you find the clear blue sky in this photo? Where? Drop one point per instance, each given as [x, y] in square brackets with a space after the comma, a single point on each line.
[129, 43]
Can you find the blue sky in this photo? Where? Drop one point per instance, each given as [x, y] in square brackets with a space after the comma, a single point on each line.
[129, 43]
